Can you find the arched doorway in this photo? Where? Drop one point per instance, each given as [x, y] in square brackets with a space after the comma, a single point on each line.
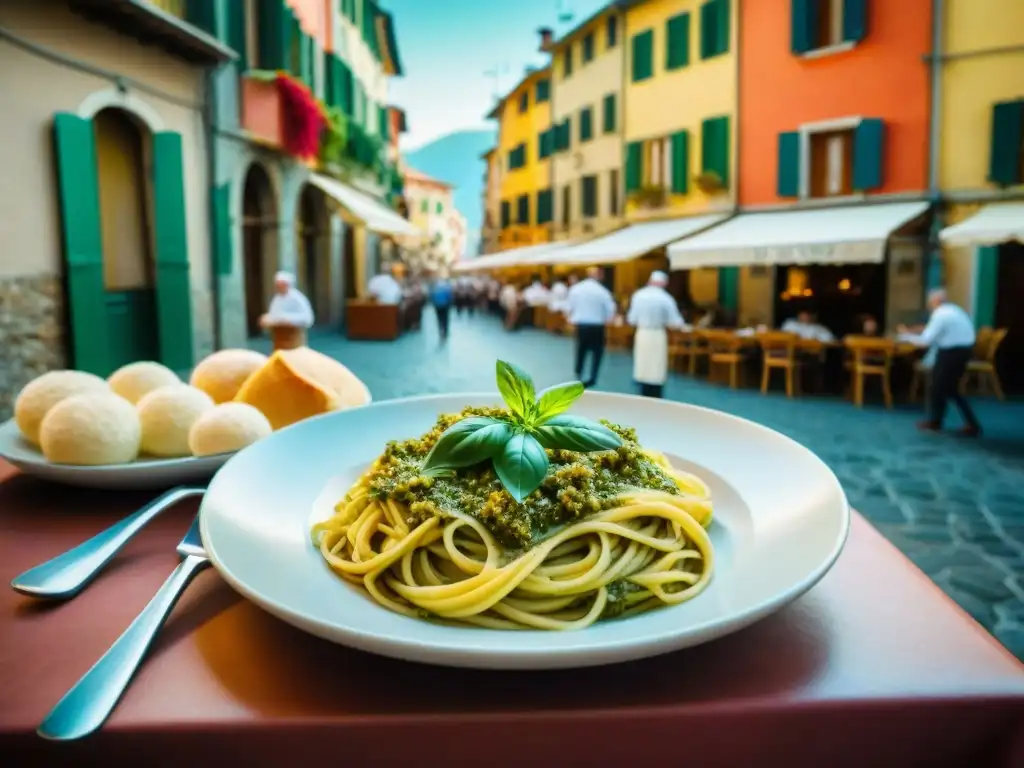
[259, 244]
[129, 270]
[313, 262]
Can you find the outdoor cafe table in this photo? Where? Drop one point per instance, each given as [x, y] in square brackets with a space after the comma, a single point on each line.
[873, 667]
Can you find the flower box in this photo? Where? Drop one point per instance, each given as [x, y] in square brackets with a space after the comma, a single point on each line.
[262, 110]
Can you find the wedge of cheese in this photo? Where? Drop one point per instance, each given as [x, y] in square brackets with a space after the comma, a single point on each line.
[284, 394]
[329, 373]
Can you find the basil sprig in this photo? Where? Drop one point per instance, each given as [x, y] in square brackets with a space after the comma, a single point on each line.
[516, 444]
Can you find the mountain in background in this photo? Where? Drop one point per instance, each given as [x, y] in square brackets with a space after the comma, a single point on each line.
[455, 158]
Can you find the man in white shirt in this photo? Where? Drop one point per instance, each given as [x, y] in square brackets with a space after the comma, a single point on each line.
[385, 289]
[537, 294]
[950, 335]
[591, 308]
[652, 310]
[289, 313]
[559, 292]
[807, 327]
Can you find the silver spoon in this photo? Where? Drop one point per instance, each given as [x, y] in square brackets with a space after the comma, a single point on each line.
[66, 575]
[90, 701]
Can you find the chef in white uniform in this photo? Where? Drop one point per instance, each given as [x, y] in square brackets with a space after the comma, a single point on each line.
[652, 311]
[289, 315]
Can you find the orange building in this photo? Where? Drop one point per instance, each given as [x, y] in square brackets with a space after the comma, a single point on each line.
[834, 114]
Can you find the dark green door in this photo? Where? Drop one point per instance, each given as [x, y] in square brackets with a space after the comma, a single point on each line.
[132, 326]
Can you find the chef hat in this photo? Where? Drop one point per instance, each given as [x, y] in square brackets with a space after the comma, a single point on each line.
[285, 277]
[658, 277]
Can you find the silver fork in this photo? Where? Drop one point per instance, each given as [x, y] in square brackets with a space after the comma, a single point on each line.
[90, 701]
[66, 575]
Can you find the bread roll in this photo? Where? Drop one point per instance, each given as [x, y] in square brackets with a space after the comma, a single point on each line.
[136, 380]
[226, 428]
[91, 429]
[43, 393]
[222, 374]
[167, 414]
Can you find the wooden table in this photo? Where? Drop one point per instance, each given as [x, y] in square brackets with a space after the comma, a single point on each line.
[873, 667]
[370, 321]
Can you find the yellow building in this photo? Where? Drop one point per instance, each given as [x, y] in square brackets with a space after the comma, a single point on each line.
[523, 116]
[981, 157]
[586, 135]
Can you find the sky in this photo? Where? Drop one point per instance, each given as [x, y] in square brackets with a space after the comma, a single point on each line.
[448, 47]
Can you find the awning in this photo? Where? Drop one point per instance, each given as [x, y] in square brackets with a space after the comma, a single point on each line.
[376, 216]
[849, 235]
[634, 241]
[993, 224]
[529, 255]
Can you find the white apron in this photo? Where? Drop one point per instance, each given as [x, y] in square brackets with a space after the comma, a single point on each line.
[650, 356]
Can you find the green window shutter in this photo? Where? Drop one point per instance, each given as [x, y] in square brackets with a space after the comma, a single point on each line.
[382, 124]
[634, 165]
[293, 44]
[788, 178]
[222, 240]
[723, 26]
[330, 80]
[707, 29]
[677, 41]
[306, 59]
[680, 162]
[202, 14]
[715, 147]
[588, 196]
[567, 133]
[523, 209]
[588, 47]
[609, 113]
[868, 150]
[274, 28]
[586, 124]
[803, 25]
[855, 20]
[642, 55]
[986, 277]
[567, 61]
[347, 90]
[82, 236]
[543, 91]
[506, 213]
[729, 288]
[545, 209]
[173, 292]
[1004, 166]
[236, 32]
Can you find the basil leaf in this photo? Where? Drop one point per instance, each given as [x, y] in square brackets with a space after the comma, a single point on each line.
[468, 442]
[558, 399]
[576, 433]
[517, 390]
[521, 466]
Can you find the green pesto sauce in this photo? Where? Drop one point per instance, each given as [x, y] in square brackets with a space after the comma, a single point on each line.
[576, 486]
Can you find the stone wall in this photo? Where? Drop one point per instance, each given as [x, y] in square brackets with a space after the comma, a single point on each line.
[32, 333]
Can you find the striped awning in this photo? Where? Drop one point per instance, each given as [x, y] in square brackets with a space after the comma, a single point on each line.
[995, 223]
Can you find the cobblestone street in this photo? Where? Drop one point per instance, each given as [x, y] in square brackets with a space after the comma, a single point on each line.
[949, 504]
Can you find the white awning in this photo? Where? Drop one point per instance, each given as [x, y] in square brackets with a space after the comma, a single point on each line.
[849, 235]
[376, 216]
[634, 241]
[514, 257]
[994, 224]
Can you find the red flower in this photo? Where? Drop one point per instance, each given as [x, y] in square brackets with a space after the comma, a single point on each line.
[303, 119]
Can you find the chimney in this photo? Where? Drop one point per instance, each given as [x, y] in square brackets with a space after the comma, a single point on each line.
[547, 37]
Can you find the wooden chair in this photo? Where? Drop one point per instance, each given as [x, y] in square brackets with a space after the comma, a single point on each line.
[540, 317]
[680, 349]
[779, 352]
[699, 350]
[620, 336]
[871, 357]
[726, 349]
[982, 369]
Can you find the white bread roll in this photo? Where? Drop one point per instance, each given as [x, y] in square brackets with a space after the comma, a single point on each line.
[44, 392]
[91, 429]
[222, 374]
[167, 414]
[136, 380]
[226, 428]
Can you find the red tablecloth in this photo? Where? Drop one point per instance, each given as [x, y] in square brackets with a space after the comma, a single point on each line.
[874, 667]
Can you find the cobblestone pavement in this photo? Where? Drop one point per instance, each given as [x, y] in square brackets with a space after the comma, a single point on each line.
[948, 503]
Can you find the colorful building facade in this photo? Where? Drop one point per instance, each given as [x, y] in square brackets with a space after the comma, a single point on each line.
[980, 155]
[105, 190]
[526, 208]
[432, 211]
[490, 234]
[584, 140]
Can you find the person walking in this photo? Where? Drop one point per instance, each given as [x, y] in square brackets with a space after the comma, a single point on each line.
[441, 297]
[591, 306]
[950, 337]
[652, 310]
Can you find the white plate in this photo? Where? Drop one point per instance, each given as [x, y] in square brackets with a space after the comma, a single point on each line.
[144, 474]
[781, 519]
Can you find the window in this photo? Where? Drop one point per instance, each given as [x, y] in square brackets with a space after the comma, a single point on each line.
[506, 214]
[546, 143]
[609, 113]
[440, 206]
[563, 135]
[523, 209]
[827, 24]
[643, 56]
[612, 31]
[588, 196]
[517, 157]
[543, 91]
[677, 41]
[831, 164]
[567, 61]
[714, 28]
[1006, 152]
[586, 124]
[613, 192]
[425, 206]
[545, 206]
[657, 163]
[566, 205]
[524, 101]
[588, 47]
[714, 147]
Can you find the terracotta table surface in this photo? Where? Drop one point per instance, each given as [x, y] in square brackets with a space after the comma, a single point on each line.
[874, 666]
